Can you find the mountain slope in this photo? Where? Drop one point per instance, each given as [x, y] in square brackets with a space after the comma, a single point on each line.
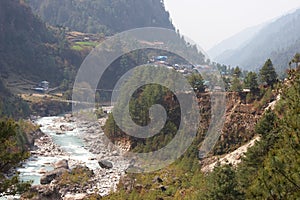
[29, 53]
[28, 49]
[276, 38]
[21, 37]
[235, 41]
[102, 16]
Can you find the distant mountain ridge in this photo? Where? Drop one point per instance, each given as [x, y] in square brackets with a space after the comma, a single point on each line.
[102, 16]
[234, 41]
[277, 40]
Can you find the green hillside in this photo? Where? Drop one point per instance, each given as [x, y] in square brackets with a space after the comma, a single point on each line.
[102, 16]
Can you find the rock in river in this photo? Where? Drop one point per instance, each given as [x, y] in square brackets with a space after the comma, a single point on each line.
[105, 164]
[50, 176]
[61, 164]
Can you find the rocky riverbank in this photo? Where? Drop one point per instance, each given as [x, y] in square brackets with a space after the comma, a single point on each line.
[79, 143]
[112, 163]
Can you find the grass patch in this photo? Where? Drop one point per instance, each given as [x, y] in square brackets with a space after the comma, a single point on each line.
[79, 176]
[77, 48]
[90, 44]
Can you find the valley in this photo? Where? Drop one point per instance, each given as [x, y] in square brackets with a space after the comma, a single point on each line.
[240, 110]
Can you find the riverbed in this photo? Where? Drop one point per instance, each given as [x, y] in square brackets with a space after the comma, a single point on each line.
[81, 143]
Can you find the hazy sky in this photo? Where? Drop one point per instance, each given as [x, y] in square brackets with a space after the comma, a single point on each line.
[208, 22]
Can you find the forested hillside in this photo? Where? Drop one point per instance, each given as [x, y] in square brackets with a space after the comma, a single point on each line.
[28, 48]
[102, 16]
[269, 170]
[12, 105]
[29, 53]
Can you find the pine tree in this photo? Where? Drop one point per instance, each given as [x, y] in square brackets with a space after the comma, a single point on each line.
[251, 82]
[196, 81]
[11, 153]
[237, 72]
[236, 85]
[223, 184]
[268, 74]
[270, 169]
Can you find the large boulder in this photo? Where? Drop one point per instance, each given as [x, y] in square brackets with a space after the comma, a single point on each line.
[60, 133]
[133, 169]
[61, 164]
[66, 128]
[43, 171]
[69, 118]
[41, 192]
[50, 176]
[75, 196]
[105, 164]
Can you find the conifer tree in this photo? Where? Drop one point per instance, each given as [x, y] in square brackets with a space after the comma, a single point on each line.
[268, 74]
[196, 81]
[236, 85]
[251, 82]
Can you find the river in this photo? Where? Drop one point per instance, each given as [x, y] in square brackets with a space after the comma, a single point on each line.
[75, 143]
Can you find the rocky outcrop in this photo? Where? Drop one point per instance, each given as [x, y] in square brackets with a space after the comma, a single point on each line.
[33, 135]
[61, 164]
[50, 176]
[108, 175]
[125, 145]
[44, 146]
[51, 192]
[42, 192]
[240, 120]
[60, 167]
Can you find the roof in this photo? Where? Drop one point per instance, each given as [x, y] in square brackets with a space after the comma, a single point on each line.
[162, 57]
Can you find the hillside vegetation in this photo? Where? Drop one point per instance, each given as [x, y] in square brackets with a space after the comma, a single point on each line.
[102, 16]
[29, 53]
[16, 138]
[27, 47]
[269, 170]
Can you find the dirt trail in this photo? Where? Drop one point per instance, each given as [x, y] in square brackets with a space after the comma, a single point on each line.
[232, 158]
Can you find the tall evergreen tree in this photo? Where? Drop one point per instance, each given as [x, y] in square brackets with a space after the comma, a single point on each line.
[268, 74]
[223, 184]
[11, 153]
[237, 72]
[196, 81]
[236, 85]
[251, 82]
[296, 60]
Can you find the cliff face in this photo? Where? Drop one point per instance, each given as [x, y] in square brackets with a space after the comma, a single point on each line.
[240, 122]
[239, 125]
